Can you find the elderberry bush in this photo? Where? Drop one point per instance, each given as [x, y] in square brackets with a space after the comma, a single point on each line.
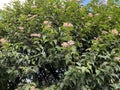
[60, 45]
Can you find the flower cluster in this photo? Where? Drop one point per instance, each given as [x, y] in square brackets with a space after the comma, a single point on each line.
[20, 28]
[104, 32]
[67, 25]
[31, 17]
[109, 17]
[90, 14]
[33, 7]
[35, 35]
[97, 14]
[64, 44]
[47, 24]
[98, 38]
[3, 41]
[69, 43]
[117, 58]
[32, 88]
[63, 7]
[114, 32]
[82, 17]
[55, 6]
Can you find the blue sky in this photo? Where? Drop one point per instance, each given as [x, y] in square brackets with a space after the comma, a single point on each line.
[86, 2]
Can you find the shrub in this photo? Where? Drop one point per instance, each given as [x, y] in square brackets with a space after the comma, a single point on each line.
[59, 45]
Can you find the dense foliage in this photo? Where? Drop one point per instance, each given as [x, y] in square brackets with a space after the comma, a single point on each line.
[60, 45]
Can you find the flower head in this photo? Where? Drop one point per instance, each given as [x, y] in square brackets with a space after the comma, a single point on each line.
[29, 15]
[34, 16]
[35, 35]
[3, 41]
[97, 14]
[114, 32]
[117, 58]
[90, 14]
[64, 44]
[67, 25]
[33, 7]
[55, 6]
[47, 24]
[63, 6]
[16, 33]
[71, 42]
[83, 18]
[99, 38]
[109, 17]
[20, 27]
[32, 88]
[104, 32]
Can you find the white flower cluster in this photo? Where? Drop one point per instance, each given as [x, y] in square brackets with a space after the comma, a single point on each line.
[69, 43]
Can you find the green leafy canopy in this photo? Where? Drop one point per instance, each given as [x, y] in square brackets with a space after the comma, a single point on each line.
[60, 45]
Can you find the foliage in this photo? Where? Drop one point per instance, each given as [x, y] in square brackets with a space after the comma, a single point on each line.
[60, 45]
